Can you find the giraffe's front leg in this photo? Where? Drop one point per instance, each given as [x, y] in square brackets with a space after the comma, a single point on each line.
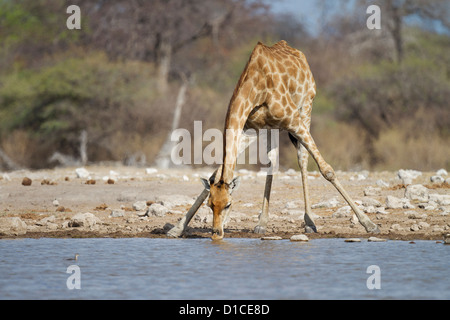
[264, 215]
[272, 147]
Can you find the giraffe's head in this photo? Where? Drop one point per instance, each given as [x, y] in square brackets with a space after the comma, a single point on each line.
[220, 202]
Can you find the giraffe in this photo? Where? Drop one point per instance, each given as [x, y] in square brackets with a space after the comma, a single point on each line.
[275, 91]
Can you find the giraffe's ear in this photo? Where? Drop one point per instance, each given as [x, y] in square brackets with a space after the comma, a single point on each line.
[235, 183]
[205, 183]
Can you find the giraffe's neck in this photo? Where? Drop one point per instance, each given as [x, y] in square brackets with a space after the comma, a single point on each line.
[244, 98]
[232, 132]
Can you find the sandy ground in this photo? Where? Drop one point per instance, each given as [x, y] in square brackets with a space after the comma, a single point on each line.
[35, 204]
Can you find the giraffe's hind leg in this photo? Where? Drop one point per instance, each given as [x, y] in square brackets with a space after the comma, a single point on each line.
[303, 135]
[302, 157]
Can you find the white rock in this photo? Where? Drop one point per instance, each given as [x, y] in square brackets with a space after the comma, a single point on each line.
[423, 225]
[117, 213]
[12, 226]
[366, 201]
[342, 212]
[396, 227]
[157, 210]
[441, 172]
[45, 221]
[397, 203]
[82, 173]
[393, 203]
[441, 199]
[174, 200]
[415, 215]
[447, 238]
[272, 238]
[294, 204]
[332, 203]
[291, 172]
[382, 183]
[55, 203]
[375, 239]
[299, 237]
[151, 170]
[84, 220]
[437, 179]
[417, 192]
[140, 205]
[204, 214]
[407, 176]
[371, 191]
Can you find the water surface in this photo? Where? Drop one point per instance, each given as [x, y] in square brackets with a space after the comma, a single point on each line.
[139, 268]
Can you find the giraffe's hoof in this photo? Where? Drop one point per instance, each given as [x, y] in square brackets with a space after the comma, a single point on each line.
[260, 230]
[310, 229]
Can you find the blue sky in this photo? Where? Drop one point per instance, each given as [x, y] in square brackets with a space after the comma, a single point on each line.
[309, 12]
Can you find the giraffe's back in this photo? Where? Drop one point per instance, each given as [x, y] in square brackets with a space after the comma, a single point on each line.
[282, 79]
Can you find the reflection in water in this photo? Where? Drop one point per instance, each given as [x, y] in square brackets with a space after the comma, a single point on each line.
[236, 268]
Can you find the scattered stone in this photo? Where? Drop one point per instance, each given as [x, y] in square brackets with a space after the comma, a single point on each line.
[117, 213]
[353, 240]
[26, 181]
[55, 203]
[366, 201]
[342, 212]
[90, 181]
[447, 238]
[174, 200]
[417, 192]
[397, 203]
[375, 239]
[407, 176]
[82, 173]
[415, 227]
[87, 220]
[12, 226]
[294, 204]
[151, 170]
[204, 214]
[157, 210]
[382, 183]
[110, 181]
[423, 225]
[140, 205]
[272, 238]
[45, 221]
[441, 172]
[415, 215]
[437, 179]
[372, 191]
[396, 227]
[332, 203]
[299, 237]
[441, 199]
